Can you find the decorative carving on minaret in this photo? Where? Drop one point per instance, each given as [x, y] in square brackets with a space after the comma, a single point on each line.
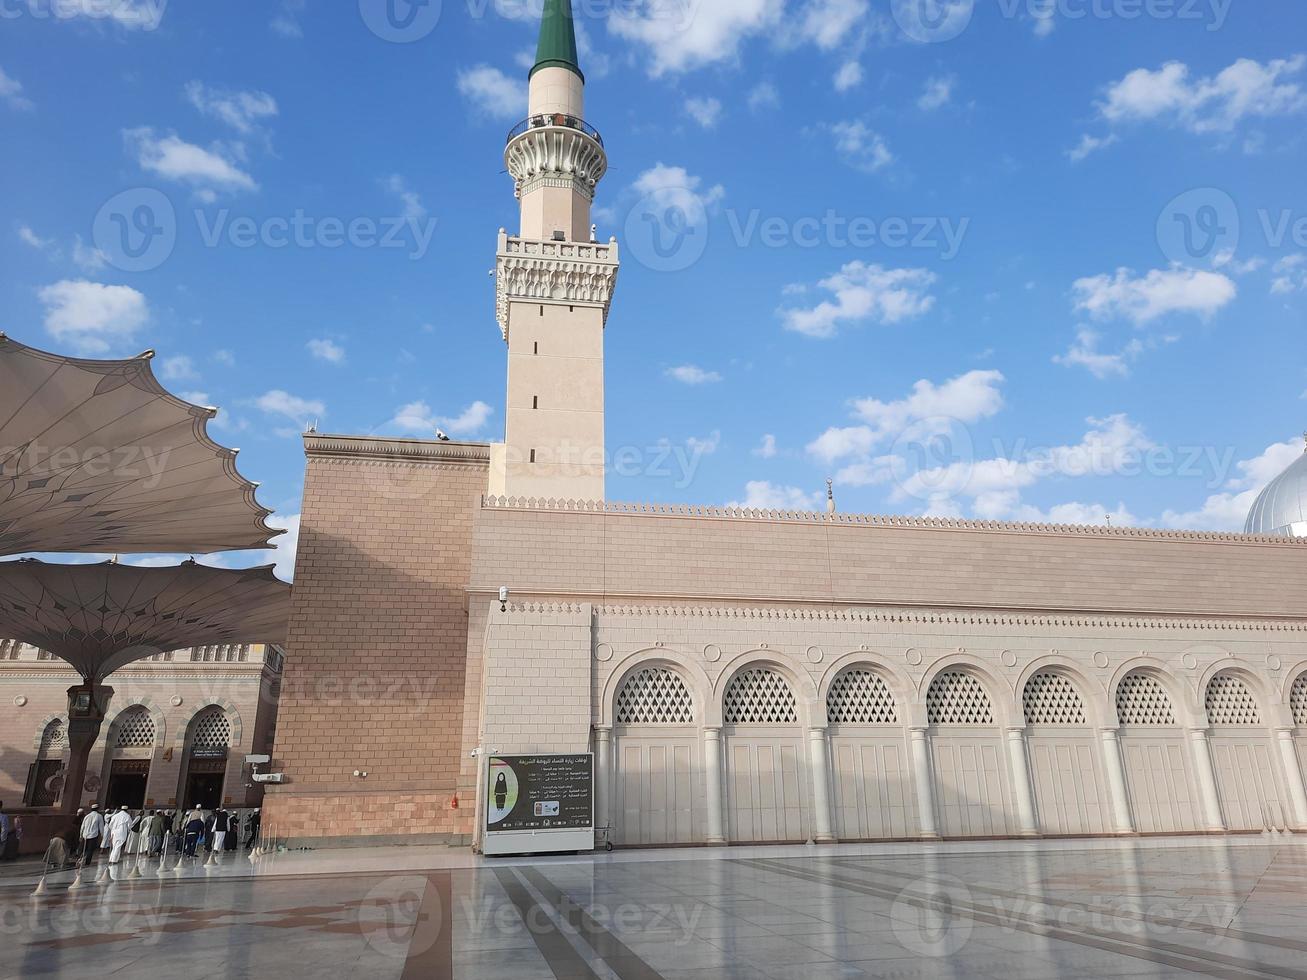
[576, 273]
[555, 151]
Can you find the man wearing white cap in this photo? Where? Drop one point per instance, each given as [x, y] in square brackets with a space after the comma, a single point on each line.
[120, 826]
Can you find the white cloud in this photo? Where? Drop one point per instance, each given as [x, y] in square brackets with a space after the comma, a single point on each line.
[767, 448]
[29, 237]
[225, 358]
[11, 93]
[299, 410]
[938, 92]
[765, 495]
[414, 209]
[326, 350]
[1290, 275]
[682, 37]
[178, 368]
[705, 446]
[195, 398]
[1085, 353]
[89, 258]
[674, 187]
[1218, 104]
[1228, 510]
[861, 147]
[764, 97]
[173, 158]
[1089, 145]
[286, 21]
[142, 15]
[707, 112]
[1160, 292]
[864, 294]
[967, 398]
[418, 418]
[90, 316]
[690, 374]
[849, 75]
[491, 91]
[826, 23]
[242, 111]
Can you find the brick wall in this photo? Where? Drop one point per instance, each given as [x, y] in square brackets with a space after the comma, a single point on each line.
[377, 644]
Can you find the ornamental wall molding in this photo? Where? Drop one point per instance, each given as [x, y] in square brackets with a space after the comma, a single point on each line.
[489, 502]
[576, 273]
[780, 614]
[557, 152]
[381, 449]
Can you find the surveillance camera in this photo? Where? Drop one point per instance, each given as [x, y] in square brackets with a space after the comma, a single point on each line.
[503, 598]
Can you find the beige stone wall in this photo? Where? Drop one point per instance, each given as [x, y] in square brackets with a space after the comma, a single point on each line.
[587, 553]
[377, 640]
[245, 691]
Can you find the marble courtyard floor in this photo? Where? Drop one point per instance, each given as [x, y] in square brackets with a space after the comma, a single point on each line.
[1217, 907]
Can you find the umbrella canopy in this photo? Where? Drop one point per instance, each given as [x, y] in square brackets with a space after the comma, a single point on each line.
[100, 617]
[95, 456]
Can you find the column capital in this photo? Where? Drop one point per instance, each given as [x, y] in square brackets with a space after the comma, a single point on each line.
[1110, 731]
[816, 730]
[1016, 731]
[603, 731]
[1284, 732]
[919, 731]
[1199, 731]
[713, 730]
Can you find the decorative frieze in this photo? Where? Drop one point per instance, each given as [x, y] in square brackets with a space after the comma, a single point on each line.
[575, 273]
[555, 156]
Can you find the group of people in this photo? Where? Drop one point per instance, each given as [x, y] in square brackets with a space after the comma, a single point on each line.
[148, 832]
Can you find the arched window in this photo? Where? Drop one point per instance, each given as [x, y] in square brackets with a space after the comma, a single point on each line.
[654, 696]
[958, 698]
[134, 728]
[1051, 699]
[54, 740]
[759, 696]
[1142, 700]
[211, 729]
[1298, 700]
[860, 697]
[1230, 702]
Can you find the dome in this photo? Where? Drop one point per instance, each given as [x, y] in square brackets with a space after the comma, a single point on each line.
[1282, 507]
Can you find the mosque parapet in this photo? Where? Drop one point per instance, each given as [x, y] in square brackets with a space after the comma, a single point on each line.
[493, 502]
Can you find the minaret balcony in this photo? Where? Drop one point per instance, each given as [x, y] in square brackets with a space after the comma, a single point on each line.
[554, 120]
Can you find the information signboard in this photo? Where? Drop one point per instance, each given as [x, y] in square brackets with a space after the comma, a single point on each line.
[539, 803]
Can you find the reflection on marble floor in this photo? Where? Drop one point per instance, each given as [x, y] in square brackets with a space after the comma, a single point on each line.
[1181, 907]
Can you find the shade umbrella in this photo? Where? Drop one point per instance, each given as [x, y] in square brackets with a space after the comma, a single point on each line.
[99, 617]
[97, 456]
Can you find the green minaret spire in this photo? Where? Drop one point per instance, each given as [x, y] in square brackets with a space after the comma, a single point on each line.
[557, 47]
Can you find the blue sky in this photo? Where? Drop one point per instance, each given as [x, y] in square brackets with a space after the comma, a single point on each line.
[1011, 259]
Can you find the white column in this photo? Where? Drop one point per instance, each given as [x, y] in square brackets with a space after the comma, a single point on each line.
[821, 815]
[1116, 787]
[1028, 825]
[1206, 773]
[712, 776]
[923, 777]
[1293, 776]
[603, 775]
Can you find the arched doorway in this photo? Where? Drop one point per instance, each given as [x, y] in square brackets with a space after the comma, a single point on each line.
[1157, 770]
[1242, 756]
[204, 768]
[129, 754]
[766, 784]
[971, 779]
[1070, 794]
[872, 772]
[659, 781]
[44, 776]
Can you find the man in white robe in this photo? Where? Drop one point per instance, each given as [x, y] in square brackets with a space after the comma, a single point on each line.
[120, 826]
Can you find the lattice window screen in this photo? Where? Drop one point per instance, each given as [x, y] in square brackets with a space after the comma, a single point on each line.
[860, 697]
[654, 696]
[1229, 702]
[1142, 700]
[135, 729]
[1051, 699]
[760, 697]
[212, 730]
[54, 739]
[957, 698]
[1298, 700]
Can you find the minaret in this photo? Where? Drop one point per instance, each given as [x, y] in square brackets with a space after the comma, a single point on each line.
[553, 286]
